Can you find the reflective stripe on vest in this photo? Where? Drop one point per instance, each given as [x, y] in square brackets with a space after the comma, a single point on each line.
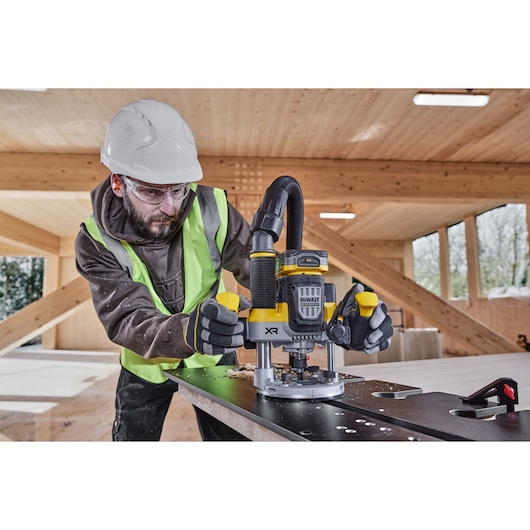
[203, 236]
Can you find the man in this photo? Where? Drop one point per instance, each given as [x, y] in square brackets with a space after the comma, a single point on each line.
[153, 252]
[154, 225]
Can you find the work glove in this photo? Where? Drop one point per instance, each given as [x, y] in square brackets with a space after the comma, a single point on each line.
[354, 329]
[213, 329]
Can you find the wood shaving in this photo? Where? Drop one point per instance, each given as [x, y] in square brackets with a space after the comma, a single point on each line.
[246, 371]
[240, 374]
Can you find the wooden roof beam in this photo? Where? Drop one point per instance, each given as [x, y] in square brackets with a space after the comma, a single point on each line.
[43, 314]
[320, 179]
[17, 233]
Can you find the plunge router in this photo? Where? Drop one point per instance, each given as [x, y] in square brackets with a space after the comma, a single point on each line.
[292, 306]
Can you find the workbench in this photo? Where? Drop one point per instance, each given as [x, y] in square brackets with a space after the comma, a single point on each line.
[396, 401]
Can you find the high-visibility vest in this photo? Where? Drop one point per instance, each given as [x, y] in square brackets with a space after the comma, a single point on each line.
[203, 237]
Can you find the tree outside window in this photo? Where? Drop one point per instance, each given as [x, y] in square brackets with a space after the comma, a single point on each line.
[456, 236]
[20, 283]
[503, 251]
[502, 235]
[426, 252]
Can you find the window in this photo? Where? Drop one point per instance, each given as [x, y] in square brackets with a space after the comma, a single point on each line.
[456, 236]
[426, 251]
[503, 251]
[20, 283]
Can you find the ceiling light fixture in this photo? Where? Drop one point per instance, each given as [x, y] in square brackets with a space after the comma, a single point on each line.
[451, 100]
[336, 215]
[25, 89]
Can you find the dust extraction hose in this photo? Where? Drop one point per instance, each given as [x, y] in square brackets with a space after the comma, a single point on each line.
[266, 228]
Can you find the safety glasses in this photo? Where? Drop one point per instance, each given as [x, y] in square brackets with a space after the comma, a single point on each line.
[152, 195]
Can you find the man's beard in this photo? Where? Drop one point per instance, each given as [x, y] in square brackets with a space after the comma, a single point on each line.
[142, 223]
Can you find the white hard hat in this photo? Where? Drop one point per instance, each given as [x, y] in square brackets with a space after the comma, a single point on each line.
[149, 141]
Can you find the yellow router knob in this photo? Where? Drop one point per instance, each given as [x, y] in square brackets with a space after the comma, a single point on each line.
[229, 300]
[367, 302]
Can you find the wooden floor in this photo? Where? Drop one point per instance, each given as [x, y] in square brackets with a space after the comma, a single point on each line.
[69, 396]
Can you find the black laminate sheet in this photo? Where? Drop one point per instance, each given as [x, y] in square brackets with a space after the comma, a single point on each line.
[368, 411]
[434, 413]
[294, 419]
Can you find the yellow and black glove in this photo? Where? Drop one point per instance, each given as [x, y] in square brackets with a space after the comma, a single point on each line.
[361, 322]
[213, 329]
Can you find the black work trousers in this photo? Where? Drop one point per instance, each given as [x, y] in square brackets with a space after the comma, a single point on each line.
[141, 409]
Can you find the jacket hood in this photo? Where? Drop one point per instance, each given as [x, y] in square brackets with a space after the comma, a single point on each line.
[109, 212]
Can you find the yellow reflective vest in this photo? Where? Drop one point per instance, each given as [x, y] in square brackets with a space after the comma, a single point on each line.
[203, 236]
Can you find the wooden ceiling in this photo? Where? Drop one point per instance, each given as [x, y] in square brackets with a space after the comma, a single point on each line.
[367, 143]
